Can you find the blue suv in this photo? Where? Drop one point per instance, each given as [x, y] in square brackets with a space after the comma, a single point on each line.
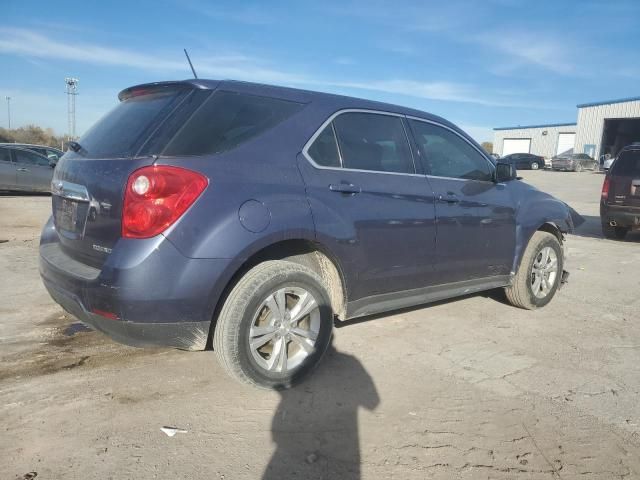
[250, 217]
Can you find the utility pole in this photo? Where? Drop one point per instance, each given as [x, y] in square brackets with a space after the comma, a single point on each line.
[9, 110]
[72, 91]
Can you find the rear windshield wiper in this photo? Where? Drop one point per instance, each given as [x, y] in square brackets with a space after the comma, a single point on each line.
[76, 147]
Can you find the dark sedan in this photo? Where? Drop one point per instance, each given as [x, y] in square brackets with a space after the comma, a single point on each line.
[524, 161]
[574, 162]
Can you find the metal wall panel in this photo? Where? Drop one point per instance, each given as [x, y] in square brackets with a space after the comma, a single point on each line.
[591, 122]
[542, 143]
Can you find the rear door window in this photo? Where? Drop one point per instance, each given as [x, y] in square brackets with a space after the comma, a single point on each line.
[226, 120]
[26, 157]
[627, 164]
[446, 154]
[375, 142]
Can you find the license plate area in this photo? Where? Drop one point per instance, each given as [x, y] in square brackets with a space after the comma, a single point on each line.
[70, 216]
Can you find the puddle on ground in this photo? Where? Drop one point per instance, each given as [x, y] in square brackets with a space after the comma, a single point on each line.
[71, 344]
[76, 327]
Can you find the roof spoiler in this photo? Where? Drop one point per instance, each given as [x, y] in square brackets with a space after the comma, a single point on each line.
[146, 88]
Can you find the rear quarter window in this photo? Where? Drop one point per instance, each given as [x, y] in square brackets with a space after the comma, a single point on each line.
[227, 120]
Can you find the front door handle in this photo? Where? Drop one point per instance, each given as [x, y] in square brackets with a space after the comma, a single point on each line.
[347, 188]
[448, 198]
[23, 170]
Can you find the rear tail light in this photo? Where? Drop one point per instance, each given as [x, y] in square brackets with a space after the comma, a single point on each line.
[156, 197]
[605, 188]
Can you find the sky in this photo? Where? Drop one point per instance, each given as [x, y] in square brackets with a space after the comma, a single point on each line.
[480, 64]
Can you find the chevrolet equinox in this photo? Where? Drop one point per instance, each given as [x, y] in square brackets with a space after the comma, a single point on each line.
[250, 217]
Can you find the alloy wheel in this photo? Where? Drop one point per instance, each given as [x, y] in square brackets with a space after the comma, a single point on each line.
[284, 329]
[544, 272]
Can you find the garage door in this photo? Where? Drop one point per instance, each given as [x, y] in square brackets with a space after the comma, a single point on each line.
[515, 145]
[566, 141]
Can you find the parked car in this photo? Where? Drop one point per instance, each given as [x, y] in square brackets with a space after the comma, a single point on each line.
[51, 153]
[574, 162]
[524, 161]
[620, 201]
[22, 169]
[495, 156]
[256, 215]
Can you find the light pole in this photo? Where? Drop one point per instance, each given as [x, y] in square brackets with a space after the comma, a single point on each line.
[9, 110]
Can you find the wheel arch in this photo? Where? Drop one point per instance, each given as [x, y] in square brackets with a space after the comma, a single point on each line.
[303, 251]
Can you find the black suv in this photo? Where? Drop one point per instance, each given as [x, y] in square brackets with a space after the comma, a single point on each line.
[620, 202]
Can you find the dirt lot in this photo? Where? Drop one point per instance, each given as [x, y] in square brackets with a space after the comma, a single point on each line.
[470, 388]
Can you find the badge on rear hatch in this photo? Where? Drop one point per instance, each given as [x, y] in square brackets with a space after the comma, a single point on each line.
[100, 248]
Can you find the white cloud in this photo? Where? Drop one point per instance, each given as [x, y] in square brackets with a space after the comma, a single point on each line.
[246, 14]
[35, 45]
[525, 49]
[478, 133]
[443, 91]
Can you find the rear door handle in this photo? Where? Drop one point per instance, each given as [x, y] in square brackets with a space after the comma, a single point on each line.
[448, 198]
[348, 188]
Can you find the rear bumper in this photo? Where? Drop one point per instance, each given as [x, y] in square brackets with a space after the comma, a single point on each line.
[182, 335]
[623, 216]
[156, 295]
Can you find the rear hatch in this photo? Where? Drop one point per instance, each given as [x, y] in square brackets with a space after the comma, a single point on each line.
[624, 186]
[89, 181]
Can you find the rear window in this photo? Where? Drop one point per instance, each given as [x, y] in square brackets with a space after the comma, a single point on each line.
[122, 131]
[627, 164]
[226, 120]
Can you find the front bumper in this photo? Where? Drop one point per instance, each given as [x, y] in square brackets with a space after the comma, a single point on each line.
[156, 295]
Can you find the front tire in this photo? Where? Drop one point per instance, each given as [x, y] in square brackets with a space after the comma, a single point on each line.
[275, 325]
[540, 273]
[535, 166]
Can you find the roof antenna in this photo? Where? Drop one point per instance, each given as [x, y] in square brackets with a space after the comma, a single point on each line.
[190, 64]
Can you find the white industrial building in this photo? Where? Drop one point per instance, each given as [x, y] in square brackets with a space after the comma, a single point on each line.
[602, 128]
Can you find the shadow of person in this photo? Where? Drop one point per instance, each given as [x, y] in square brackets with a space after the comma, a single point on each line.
[315, 425]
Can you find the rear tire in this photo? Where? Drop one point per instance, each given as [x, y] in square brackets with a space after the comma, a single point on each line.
[540, 272]
[262, 338]
[614, 233]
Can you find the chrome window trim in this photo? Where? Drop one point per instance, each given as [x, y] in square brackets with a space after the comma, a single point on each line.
[492, 165]
[305, 149]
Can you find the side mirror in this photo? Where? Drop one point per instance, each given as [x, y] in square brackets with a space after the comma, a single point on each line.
[505, 172]
[53, 163]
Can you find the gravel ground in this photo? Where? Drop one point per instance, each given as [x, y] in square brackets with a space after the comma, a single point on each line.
[470, 388]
